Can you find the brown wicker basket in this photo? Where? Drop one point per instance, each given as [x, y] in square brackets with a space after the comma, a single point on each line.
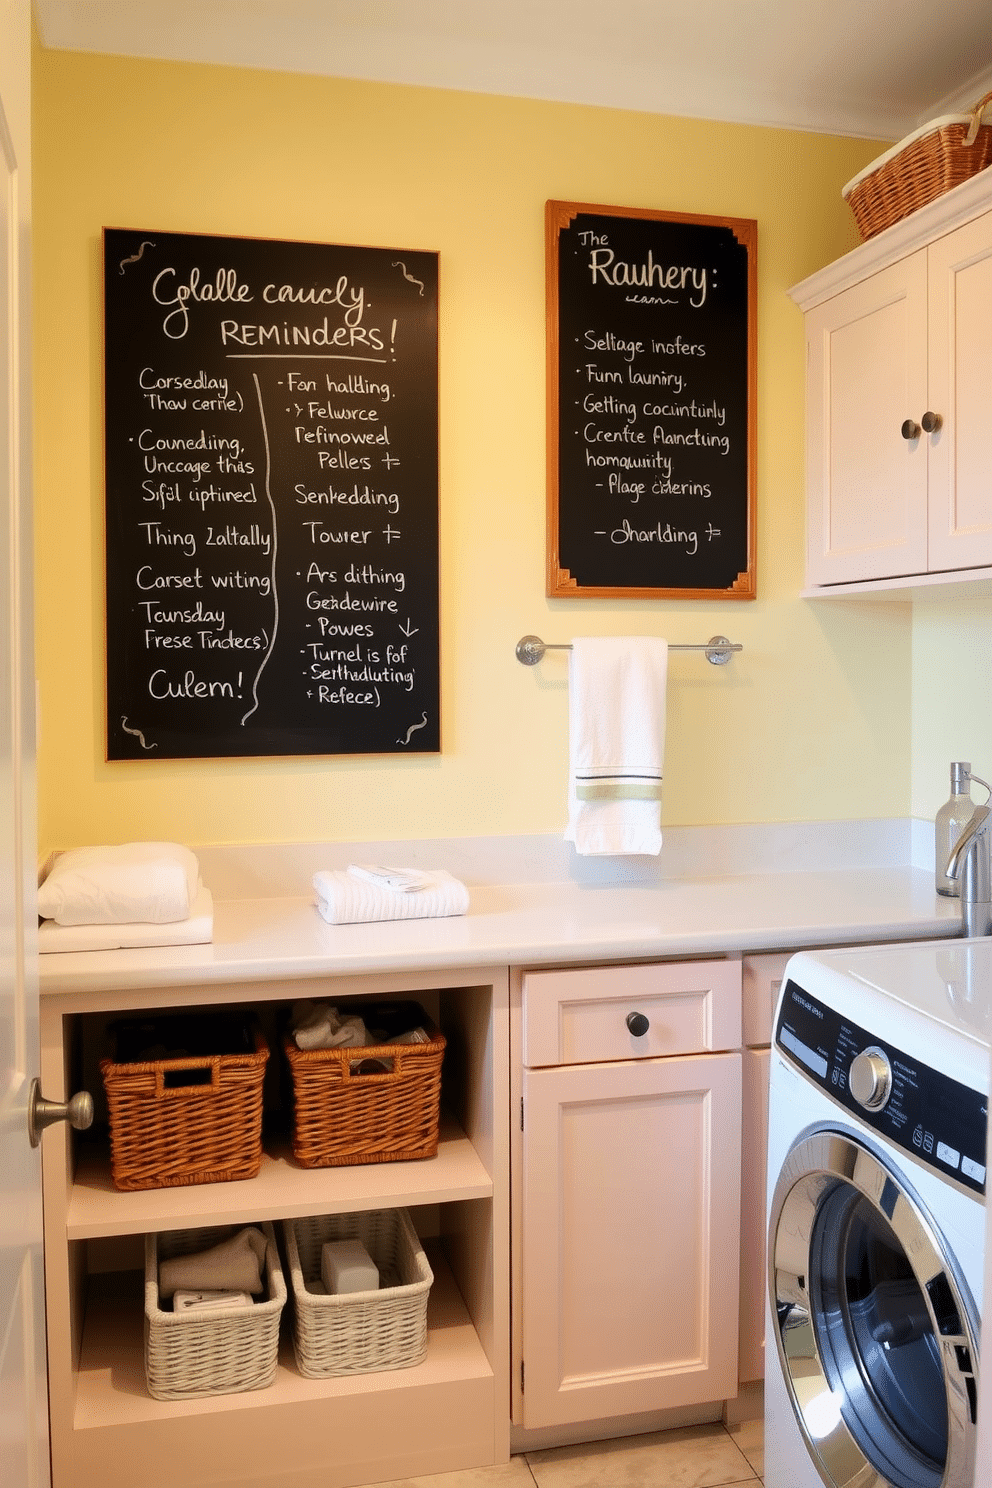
[922, 167]
[346, 1110]
[186, 1120]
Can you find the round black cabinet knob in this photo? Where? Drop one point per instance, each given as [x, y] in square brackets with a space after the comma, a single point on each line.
[931, 422]
[910, 430]
[638, 1024]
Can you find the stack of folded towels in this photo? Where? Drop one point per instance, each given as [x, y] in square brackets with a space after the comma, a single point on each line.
[229, 1274]
[135, 894]
[367, 893]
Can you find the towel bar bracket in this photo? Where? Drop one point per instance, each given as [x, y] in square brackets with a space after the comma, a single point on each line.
[531, 649]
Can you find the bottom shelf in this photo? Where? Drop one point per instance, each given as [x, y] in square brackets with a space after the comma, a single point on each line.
[354, 1429]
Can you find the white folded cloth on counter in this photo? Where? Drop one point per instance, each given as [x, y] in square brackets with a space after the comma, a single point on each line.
[236, 1264]
[154, 882]
[346, 898]
[617, 698]
[197, 929]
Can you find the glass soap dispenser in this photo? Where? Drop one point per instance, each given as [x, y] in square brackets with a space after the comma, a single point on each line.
[950, 822]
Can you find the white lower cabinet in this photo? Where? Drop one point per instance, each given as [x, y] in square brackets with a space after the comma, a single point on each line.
[298, 1432]
[629, 1192]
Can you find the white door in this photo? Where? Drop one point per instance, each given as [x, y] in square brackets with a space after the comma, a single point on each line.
[960, 449]
[631, 1236]
[866, 377]
[23, 1396]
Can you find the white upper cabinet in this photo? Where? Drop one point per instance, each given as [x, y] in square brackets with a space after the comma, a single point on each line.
[899, 411]
[960, 382]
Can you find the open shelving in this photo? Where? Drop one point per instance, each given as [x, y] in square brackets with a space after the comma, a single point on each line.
[297, 1432]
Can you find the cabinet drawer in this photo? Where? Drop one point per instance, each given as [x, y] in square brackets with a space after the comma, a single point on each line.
[581, 1017]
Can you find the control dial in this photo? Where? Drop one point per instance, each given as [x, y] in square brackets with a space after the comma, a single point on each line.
[870, 1078]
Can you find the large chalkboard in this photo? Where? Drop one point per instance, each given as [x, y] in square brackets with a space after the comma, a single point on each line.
[651, 403]
[271, 498]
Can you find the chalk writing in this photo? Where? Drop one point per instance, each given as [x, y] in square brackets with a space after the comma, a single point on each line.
[651, 361]
[271, 506]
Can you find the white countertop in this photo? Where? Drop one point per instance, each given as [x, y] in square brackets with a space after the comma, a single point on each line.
[262, 936]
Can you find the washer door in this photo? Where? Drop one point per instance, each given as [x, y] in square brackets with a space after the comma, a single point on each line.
[874, 1328]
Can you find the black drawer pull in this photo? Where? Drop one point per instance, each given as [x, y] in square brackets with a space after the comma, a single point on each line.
[638, 1024]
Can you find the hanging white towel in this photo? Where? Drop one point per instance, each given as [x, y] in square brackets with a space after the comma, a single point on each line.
[617, 689]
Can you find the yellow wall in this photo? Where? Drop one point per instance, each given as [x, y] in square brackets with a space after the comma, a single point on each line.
[952, 696]
[812, 721]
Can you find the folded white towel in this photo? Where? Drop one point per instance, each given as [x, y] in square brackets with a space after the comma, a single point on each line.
[155, 882]
[198, 929]
[346, 899]
[236, 1264]
[617, 690]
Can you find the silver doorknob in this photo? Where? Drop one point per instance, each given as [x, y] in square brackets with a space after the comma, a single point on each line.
[41, 1112]
[931, 422]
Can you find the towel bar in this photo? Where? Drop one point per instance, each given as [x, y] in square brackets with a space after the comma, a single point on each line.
[531, 649]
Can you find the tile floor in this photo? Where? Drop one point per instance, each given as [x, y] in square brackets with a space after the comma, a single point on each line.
[692, 1457]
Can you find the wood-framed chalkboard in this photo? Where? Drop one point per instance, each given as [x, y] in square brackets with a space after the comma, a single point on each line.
[651, 403]
[271, 498]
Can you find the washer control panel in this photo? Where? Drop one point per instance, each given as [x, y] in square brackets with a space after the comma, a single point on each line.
[937, 1120]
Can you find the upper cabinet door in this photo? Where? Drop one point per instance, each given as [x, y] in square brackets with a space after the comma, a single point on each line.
[866, 376]
[960, 392]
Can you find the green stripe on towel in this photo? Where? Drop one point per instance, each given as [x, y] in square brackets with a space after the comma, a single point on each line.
[615, 790]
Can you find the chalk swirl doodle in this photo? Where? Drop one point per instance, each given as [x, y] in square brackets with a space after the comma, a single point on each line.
[136, 732]
[399, 264]
[413, 729]
[135, 258]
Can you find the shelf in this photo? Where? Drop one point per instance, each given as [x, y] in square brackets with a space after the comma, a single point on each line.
[298, 1432]
[111, 1387]
[282, 1190]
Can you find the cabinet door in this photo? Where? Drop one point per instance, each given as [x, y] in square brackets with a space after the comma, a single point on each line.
[960, 391]
[631, 1230]
[866, 374]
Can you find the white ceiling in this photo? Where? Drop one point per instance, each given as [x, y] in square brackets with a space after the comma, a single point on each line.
[876, 68]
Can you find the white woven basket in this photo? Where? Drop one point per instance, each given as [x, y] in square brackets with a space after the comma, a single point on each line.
[359, 1332]
[216, 1353]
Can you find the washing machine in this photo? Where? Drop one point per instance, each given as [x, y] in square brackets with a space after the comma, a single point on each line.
[878, 1110]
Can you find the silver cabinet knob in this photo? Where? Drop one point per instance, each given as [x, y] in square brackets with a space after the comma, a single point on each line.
[41, 1112]
[931, 422]
[910, 429]
[870, 1079]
